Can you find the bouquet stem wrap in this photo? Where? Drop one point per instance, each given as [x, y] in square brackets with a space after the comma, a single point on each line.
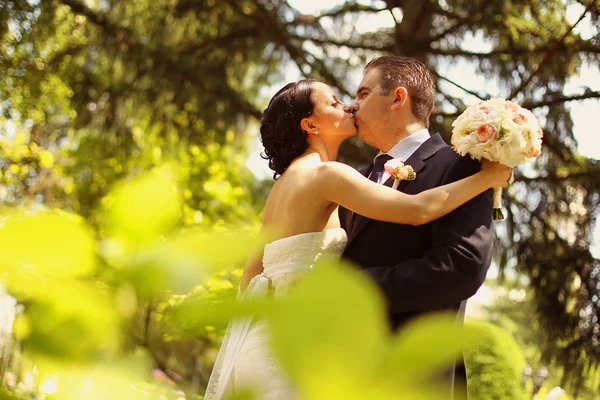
[497, 210]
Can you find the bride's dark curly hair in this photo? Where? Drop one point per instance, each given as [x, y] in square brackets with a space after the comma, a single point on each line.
[280, 130]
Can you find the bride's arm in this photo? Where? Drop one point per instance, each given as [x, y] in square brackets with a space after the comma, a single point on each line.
[253, 266]
[344, 185]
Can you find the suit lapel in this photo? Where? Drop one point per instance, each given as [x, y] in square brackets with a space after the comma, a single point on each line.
[417, 161]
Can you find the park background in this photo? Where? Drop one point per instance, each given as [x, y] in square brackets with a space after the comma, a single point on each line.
[131, 182]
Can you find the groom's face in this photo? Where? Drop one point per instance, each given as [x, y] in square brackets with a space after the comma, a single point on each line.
[371, 108]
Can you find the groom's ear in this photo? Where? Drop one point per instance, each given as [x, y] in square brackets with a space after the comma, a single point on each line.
[307, 125]
[400, 97]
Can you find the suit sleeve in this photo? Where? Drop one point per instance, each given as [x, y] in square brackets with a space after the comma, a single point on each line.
[345, 214]
[455, 266]
[345, 219]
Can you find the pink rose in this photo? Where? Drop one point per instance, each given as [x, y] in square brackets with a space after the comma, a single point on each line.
[485, 132]
[392, 165]
[532, 151]
[511, 106]
[520, 119]
[399, 171]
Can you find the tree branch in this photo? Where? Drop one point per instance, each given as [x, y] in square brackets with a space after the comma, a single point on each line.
[552, 49]
[356, 46]
[437, 7]
[297, 54]
[454, 27]
[558, 236]
[588, 94]
[159, 55]
[557, 147]
[221, 40]
[478, 95]
[583, 47]
[304, 19]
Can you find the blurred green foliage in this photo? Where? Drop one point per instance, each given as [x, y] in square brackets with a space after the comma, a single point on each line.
[495, 364]
[84, 293]
[76, 129]
[513, 311]
[98, 92]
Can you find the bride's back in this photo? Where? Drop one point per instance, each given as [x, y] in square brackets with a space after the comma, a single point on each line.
[295, 204]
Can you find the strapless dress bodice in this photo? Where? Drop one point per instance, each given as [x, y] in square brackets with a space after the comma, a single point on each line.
[285, 260]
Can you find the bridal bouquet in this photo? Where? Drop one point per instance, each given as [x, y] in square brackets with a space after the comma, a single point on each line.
[498, 130]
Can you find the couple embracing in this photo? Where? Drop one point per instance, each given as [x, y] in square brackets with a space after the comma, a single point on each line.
[427, 243]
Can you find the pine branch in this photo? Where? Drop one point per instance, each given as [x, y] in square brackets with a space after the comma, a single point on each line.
[221, 40]
[453, 28]
[296, 53]
[582, 47]
[356, 46]
[159, 55]
[552, 49]
[478, 95]
[577, 252]
[304, 19]
[558, 148]
[446, 13]
[587, 94]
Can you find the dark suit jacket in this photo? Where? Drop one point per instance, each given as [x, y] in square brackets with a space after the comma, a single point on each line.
[432, 267]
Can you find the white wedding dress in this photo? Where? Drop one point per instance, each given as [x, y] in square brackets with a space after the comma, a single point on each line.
[245, 359]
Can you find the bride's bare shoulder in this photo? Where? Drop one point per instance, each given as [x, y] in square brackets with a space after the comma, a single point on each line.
[304, 170]
[334, 170]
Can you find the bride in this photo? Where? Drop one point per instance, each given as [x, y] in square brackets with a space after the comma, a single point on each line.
[301, 130]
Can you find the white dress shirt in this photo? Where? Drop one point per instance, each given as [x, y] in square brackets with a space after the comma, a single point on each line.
[404, 149]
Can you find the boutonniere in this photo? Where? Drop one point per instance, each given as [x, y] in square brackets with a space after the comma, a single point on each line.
[399, 171]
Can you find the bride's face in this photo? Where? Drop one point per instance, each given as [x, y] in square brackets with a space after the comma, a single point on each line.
[329, 115]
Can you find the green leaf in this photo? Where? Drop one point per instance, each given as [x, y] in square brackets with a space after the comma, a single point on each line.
[126, 377]
[146, 208]
[179, 263]
[65, 318]
[330, 333]
[47, 243]
[214, 249]
[425, 348]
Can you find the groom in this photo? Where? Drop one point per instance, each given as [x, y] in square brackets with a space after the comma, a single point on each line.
[426, 268]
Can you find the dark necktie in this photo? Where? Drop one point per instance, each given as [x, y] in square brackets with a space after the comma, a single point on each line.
[378, 167]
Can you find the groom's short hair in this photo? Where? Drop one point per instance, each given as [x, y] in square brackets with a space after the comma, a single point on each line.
[395, 71]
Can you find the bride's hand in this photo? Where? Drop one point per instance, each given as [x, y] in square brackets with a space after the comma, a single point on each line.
[497, 173]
